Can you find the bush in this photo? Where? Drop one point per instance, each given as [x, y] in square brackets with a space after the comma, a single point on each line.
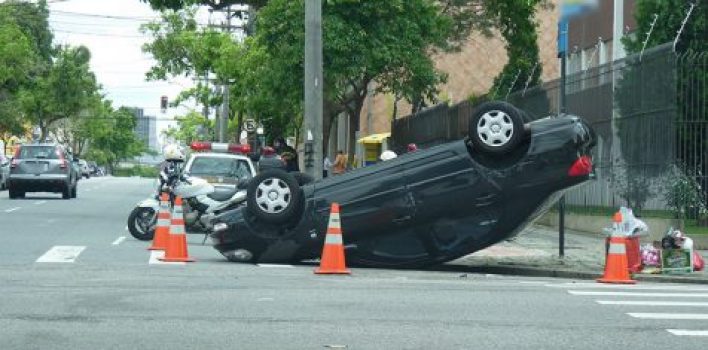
[138, 170]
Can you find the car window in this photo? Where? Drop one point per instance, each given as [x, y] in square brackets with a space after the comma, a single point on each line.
[46, 152]
[227, 167]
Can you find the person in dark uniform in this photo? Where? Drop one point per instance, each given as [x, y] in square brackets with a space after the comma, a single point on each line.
[288, 154]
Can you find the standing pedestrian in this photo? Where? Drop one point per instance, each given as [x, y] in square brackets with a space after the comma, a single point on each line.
[340, 163]
[326, 167]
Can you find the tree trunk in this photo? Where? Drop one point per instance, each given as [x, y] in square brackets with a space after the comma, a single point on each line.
[354, 126]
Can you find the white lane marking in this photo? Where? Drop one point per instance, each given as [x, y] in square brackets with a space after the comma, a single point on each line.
[12, 209]
[627, 286]
[668, 316]
[119, 240]
[155, 256]
[651, 303]
[687, 332]
[640, 294]
[39, 202]
[276, 266]
[61, 254]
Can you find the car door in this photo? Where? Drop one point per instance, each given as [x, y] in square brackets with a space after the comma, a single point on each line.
[373, 200]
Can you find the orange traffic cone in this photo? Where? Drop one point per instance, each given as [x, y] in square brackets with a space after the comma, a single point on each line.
[332, 261]
[616, 270]
[162, 230]
[177, 243]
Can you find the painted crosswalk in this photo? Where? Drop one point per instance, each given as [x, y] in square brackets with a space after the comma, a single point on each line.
[61, 254]
[661, 305]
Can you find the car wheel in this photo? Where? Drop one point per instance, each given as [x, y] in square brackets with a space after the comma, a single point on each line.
[12, 193]
[141, 223]
[274, 196]
[496, 128]
[66, 192]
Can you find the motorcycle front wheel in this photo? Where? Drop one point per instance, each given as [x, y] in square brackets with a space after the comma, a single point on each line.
[141, 223]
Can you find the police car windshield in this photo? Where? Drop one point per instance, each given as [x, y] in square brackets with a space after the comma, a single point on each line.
[218, 166]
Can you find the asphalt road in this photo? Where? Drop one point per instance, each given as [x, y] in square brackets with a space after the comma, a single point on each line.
[104, 293]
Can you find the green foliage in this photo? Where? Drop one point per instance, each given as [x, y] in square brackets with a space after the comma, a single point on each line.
[682, 192]
[61, 92]
[33, 21]
[137, 170]
[671, 14]
[388, 43]
[214, 4]
[192, 127]
[516, 21]
[113, 137]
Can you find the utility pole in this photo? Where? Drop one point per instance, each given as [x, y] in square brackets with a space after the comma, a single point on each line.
[313, 88]
[222, 119]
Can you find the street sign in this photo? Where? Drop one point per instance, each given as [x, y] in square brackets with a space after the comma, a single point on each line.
[249, 125]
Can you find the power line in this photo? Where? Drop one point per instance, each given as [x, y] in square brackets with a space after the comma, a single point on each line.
[101, 34]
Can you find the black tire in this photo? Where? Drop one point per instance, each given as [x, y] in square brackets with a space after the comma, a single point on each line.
[274, 197]
[496, 128]
[138, 225]
[12, 194]
[66, 192]
[74, 190]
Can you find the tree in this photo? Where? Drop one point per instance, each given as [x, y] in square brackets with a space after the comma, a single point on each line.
[388, 43]
[62, 92]
[33, 21]
[192, 127]
[516, 22]
[114, 139]
[214, 4]
[181, 48]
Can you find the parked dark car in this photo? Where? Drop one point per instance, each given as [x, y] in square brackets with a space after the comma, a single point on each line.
[421, 208]
[42, 168]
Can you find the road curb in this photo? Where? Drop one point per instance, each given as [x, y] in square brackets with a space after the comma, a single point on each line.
[562, 273]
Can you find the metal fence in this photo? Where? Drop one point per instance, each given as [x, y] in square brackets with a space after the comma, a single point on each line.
[651, 117]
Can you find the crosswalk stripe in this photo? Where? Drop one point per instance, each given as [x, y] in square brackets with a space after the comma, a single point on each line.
[639, 294]
[668, 316]
[155, 256]
[687, 332]
[627, 286]
[61, 254]
[277, 266]
[651, 303]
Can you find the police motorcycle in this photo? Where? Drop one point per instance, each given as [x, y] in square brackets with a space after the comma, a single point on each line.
[201, 201]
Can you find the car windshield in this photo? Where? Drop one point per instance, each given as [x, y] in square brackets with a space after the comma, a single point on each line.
[217, 166]
[47, 152]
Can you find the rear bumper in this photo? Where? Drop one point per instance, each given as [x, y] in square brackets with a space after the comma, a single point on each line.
[39, 183]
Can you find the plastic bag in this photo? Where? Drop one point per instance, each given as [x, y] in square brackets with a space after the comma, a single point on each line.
[650, 255]
[698, 263]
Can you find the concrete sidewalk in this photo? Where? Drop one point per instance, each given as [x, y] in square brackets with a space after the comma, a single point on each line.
[534, 252]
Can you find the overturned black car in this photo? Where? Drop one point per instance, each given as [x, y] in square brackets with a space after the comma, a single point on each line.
[422, 208]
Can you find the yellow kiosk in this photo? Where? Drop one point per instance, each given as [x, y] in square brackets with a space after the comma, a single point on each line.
[373, 145]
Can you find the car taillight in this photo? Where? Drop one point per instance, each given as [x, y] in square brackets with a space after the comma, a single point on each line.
[581, 167]
[15, 158]
[62, 161]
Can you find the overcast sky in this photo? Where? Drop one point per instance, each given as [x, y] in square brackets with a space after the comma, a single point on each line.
[110, 29]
